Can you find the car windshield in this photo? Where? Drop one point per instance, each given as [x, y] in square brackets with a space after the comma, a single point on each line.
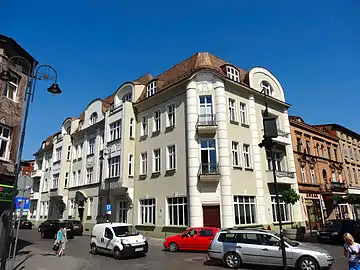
[124, 231]
[287, 240]
[334, 224]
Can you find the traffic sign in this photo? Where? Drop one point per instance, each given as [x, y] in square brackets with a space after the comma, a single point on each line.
[108, 209]
[24, 201]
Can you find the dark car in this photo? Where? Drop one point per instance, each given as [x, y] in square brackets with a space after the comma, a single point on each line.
[335, 229]
[78, 226]
[49, 229]
[24, 223]
[46, 223]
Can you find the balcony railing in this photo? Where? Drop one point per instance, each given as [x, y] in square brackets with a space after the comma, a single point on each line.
[116, 107]
[208, 168]
[206, 120]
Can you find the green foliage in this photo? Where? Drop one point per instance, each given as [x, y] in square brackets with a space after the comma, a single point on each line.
[289, 196]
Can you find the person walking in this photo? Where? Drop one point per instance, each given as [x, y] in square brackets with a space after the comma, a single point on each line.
[352, 252]
[61, 239]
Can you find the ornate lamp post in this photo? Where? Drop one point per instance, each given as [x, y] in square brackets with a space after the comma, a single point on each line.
[41, 72]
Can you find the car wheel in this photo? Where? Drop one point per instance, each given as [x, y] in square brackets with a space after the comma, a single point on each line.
[173, 247]
[232, 260]
[42, 235]
[93, 249]
[308, 263]
[39, 229]
[117, 253]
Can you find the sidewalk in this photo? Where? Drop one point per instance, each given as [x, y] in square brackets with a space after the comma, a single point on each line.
[35, 259]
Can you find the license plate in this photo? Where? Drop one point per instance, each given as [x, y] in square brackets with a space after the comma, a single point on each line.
[76, 227]
[139, 249]
[325, 236]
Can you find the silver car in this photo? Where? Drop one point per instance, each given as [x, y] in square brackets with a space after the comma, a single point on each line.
[237, 246]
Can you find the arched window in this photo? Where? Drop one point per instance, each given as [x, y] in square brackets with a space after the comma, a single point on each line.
[127, 97]
[233, 73]
[93, 118]
[151, 89]
[266, 87]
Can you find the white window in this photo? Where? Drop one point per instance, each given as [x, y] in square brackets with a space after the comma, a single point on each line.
[340, 176]
[233, 73]
[244, 113]
[78, 178]
[123, 209]
[148, 211]
[131, 128]
[90, 206]
[279, 161]
[89, 175]
[266, 87]
[170, 112]
[127, 97]
[115, 130]
[55, 181]
[46, 185]
[157, 121]
[303, 174]
[58, 153]
[91, 146]
[171, 160]
[235, 154]
[144, 126]
[245, 210]
[247, 155]
[177, 214]
[73, 180]
[151, 89]
[68, 153]
[93, 118]
[143, 163]
[284, 210]
[130, 165]
[313, 176]
[156, 160]
[114, 166]
[4, 142]
[11, 87]
[232, 113]
[66, 182]
[79, 151]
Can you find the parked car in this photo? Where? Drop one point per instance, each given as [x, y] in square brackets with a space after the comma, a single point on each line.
[197, 239]
[49, 229]
[46, 223]
[24, 223]
[239, 246]
[118, 239]
[335, 229]
[78, 226]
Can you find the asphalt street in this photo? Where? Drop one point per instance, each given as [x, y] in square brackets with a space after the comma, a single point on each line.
[156, 259]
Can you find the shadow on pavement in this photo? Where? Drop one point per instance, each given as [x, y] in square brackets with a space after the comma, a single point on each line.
[245, 266]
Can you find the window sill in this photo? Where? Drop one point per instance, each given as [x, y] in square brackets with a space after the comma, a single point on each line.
[170, 172]
[170, 128]
[283, 223]
[79, 159]
[57, 162]
[245, 125]
[113, 141]
[143, 137]
[237, 167]
[234, 122]
[131, 138]
[155, 174]
[130, 176]
[249, 169]
[155, 133]
[90, 155]
[88, 218]
[54, 188]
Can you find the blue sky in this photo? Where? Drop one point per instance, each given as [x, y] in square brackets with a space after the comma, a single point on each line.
[312, 47]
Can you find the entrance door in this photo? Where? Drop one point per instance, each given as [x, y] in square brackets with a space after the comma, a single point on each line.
[211, 216]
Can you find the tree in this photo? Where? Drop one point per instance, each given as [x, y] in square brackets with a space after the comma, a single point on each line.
[290, 196]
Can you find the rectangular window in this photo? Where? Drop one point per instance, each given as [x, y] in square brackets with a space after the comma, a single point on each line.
[151, 89]
[235, 154]
[279, 159]
[170, 111]
[58, 154]
[4, 142]
[171, 158]
[90, 206]
[157, 121]
[115, 130]
[73, 181]
[147, 211]
[308, 147]
[349, 174]
[80, 150]
[329, 152]
[89, 175]
[299, 144]
[247, 155]
[91, 146]
[78, 178]
[10, 90]
[335, 154]
[144, 126]
[333, 176]
[232, 113]
[114, 166]
[177, 211]
[130, 165]
[131, 128]
[156, 161]
[303, 175]
[143, 163]
[313, 176]
[55, 181]
[123, 209]
[284, 210]
[341, 178]
[66, 180]
[244, 113]
[355, 176]
[245, 210]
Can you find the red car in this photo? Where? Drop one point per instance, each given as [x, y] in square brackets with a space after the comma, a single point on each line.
[192, 239]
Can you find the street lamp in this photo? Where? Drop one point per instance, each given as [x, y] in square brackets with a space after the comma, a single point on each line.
[41, 72]
[105, 151]
[270, 132]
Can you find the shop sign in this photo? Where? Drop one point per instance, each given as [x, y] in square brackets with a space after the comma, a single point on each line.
[339, 187]
[309, 203]
[6, 193]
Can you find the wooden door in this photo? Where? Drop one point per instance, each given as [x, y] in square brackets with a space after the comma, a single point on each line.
[211, 216]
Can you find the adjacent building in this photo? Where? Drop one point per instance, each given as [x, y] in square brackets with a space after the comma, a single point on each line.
[320, 172]
[175, 150]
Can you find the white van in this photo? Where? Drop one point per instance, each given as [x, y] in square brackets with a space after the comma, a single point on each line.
[120, 239]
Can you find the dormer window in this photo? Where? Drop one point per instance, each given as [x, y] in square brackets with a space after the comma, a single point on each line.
[68, 130]
[233, 73]
[127, 97]
[151, 89]
[93, 118]
[266, 87]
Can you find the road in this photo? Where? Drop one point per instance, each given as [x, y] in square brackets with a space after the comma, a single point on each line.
[156, 259]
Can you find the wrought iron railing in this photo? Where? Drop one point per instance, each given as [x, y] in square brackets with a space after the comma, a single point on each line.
[208, 168]
[206, 120]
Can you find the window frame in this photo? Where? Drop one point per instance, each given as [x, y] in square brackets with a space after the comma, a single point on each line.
[115, 130]
[173, 204]
[143, 160]
[236, 152]
[93, 118]
[170, 115]
[89, 175]
[232, 110]
[267, 88]
[131, 165]
[144, 126]
[114, 166]
[55, 181]
[252, 208]
[155, 159]
[233, 73]
[247, 166]
[150, 213]
[7, 140]
[12, 84]
[169, 156]
[91, 146]
[131, 127]
[244, 113]
[156, 121]
[151, 88]
[286, 208]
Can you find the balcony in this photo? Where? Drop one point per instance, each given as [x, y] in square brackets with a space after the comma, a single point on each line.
[36, 173]
[209, 173]
[282, 177]
[206, 124]
[55, 192]
[114, 108]
[34, 195]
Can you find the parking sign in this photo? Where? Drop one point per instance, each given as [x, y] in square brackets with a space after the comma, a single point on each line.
[108, 209]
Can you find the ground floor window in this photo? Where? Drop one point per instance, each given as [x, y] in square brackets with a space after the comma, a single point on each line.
[285, 213]
[245, 210]
[123, 209]
[177, 211]
[147, 211]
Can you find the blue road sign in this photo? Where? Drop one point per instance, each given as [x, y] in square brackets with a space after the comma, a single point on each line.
[108, 208]
[25, 201]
